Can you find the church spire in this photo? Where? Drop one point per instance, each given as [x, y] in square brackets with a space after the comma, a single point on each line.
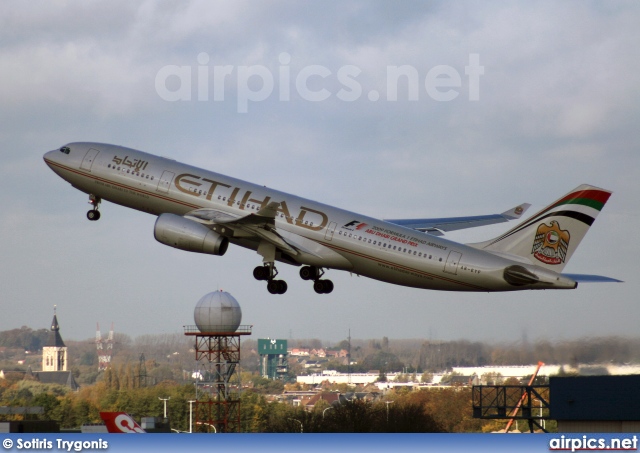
[55, 340]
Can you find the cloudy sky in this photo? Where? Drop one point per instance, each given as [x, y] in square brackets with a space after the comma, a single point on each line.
[499, 104]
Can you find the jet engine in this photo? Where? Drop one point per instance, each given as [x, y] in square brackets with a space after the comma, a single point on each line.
[184, 234]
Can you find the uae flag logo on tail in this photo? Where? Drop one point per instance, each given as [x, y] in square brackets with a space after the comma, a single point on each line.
[551, 243]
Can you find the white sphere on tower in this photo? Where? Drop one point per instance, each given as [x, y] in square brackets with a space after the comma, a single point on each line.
[218, 311]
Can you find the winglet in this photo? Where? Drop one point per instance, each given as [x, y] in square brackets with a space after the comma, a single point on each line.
[516, 212]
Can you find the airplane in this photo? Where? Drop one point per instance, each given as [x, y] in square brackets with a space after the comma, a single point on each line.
[120, 422]
[202, 211]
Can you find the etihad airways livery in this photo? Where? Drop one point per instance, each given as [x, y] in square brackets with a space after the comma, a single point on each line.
[202, 211]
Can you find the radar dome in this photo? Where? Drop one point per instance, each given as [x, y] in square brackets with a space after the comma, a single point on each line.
[218, 312]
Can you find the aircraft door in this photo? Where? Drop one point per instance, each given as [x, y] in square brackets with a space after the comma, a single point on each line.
[165, 181]
[451, 266]
[89, 158]
[330, 229]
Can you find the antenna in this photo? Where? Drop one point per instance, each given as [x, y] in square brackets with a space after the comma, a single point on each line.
[141, 377]
[349, 357]
[104, 354]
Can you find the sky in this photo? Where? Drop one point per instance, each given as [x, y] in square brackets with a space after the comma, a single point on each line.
[392, 110]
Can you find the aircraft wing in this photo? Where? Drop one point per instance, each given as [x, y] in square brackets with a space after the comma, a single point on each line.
[438, 227]
[265, 216]
[259, 225]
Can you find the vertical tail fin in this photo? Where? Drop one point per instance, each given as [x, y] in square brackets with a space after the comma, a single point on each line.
[550, 237]
[120, 422]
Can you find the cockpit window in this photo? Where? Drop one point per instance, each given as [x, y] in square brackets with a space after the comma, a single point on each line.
[65, 149]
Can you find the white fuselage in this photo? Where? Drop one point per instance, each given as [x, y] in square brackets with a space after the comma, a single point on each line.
[335, 238]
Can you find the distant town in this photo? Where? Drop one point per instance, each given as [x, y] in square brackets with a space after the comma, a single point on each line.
[72, 381]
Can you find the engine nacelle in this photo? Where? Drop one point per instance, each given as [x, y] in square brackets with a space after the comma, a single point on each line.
[184, 234]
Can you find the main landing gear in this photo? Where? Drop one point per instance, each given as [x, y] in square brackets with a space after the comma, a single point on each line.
[315, 273]
[268, 272]
[94, 214]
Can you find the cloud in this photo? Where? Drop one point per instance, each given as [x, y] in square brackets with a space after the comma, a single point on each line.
[558, 106]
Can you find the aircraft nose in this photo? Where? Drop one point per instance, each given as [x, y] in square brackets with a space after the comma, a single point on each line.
[49, 156]
[55, 156]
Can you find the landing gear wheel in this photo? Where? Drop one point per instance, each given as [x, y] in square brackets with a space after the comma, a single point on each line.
[93, 215]
[272, 287]
[282, 286]
[277, 286]
[323, 286]
[308, 273]
[261, 273]
[328, 286]
[311, 273]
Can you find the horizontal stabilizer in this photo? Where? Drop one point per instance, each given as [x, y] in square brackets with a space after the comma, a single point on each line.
[586, 278]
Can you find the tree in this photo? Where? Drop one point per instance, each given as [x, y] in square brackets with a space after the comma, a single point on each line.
[382, 360]
[426, 378]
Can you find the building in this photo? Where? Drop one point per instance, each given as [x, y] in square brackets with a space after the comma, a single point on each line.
[54, 353]
[273, 358]
[605, 404]
[55, 359]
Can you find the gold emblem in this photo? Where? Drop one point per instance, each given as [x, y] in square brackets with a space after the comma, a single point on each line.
[551, 243]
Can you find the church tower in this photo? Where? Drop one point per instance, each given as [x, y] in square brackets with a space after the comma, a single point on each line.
[54, 353]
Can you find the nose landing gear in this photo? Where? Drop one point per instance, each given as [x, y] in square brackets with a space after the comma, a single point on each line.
[94, 214]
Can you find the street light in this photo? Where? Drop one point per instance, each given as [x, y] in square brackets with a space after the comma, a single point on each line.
[191, 415]
[325, 410]
[387, 403]
[296, 420]
[165, 404]
[208, 424]
[544, 425]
